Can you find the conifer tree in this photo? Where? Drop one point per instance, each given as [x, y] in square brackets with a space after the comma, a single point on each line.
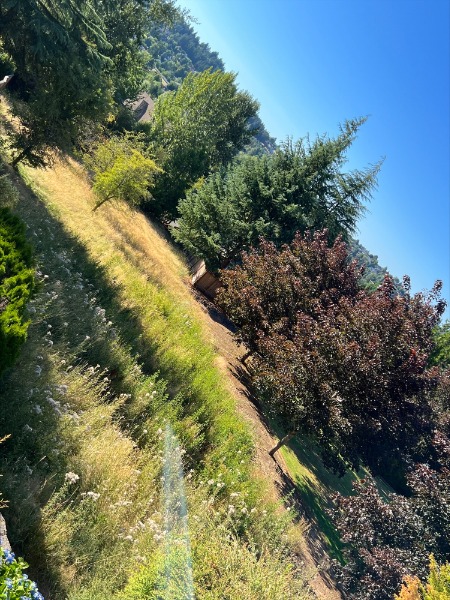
[300, 187]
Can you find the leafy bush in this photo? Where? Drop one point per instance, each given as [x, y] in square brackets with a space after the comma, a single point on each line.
[331, 359]
[436, 588]
[14, 584]
[386, 541]
[121, 170]
[16, 285]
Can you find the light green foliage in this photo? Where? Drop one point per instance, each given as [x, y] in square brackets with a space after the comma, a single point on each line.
[200, 126]
[225, 569]
[176, 51]
[301, 186]
[438, 584]
[441, 353]
[16, 285]
[121, 170]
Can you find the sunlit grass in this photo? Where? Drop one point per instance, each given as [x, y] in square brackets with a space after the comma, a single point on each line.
[116, 350]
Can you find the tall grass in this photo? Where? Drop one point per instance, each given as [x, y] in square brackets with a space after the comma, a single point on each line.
[117, 350]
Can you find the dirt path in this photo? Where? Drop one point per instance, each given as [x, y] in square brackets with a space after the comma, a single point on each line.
[312, 555]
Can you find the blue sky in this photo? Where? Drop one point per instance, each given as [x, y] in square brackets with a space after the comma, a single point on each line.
[314, 63]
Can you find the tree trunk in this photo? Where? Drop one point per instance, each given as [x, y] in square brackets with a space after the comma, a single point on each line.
[101, 203]
[21, 156]
[282, 442]
[246, 356]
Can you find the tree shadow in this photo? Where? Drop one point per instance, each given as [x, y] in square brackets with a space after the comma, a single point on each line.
[214, 311]
[80, 288]
[323, 539]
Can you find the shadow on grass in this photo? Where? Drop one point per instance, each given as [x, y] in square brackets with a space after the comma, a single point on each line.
[74, 291]
[308, 483]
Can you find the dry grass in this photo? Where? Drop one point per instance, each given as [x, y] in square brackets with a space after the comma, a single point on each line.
[85, 397]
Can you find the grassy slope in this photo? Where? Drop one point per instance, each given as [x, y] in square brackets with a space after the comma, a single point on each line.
[117, 348]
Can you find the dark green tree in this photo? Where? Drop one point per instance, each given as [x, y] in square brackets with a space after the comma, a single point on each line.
[299, 187]
[72, 61]
[16, 284]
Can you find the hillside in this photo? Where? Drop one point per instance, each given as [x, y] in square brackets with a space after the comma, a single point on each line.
[290, 440]
[118, 346]
[373, 272]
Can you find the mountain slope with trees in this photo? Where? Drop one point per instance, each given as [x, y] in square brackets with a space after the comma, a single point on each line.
[175, 51]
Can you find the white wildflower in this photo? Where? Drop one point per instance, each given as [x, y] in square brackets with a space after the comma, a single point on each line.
[71, 477]
[93, 495]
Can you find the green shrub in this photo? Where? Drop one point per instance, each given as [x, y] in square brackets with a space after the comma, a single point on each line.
[16, 285]
[14, 584]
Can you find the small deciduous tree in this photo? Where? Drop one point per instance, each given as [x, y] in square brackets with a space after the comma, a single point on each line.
[121, 171]
[344, 365]
[200, 126]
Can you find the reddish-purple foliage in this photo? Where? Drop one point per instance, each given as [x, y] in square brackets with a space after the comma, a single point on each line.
[389, 538]
[347, 366]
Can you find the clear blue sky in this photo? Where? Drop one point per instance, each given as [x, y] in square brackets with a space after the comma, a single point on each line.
[314, 63]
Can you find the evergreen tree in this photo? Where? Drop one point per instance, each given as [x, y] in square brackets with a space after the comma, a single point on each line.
[72, 60]
[299, 187]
